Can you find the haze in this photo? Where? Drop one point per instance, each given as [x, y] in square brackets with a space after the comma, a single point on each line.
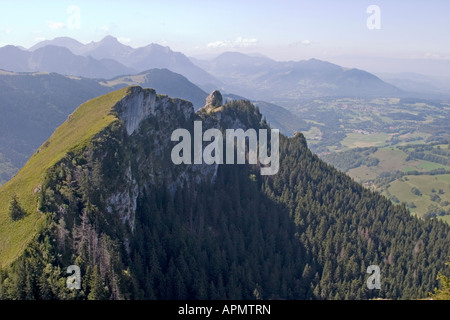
[413, 32]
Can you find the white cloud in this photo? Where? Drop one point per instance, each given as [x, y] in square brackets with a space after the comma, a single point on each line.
[240, 42]
[54, 25]
[39, 39]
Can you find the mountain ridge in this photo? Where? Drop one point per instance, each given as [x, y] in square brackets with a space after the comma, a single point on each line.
[293, 80]
[141, 227]
[60, 60]
[139, 59]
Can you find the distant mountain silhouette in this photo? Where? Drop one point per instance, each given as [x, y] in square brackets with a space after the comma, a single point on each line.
[252, 76]
[140, 59]
[261, 77]
[61, 60]
[66, 42]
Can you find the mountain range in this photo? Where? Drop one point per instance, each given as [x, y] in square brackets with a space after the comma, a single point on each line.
[128, 60]
[255, 77]
[258, 76]
[60, 60]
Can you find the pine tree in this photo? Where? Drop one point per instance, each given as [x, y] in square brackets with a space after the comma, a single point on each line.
[97, 286]
[15, 210]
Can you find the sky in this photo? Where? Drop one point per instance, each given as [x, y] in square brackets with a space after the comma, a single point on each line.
[282, 30]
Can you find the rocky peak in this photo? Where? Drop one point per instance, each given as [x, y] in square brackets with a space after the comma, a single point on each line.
[214, 100]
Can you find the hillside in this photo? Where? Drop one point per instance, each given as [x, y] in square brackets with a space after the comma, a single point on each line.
[74, 134]
[140, 227]
[32, 106]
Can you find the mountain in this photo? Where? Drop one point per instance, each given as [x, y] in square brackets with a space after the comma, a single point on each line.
[66, 42]
[276, 116]
[104, 194]
[35, 104]
[32, 106]
[234, 63]
[175, 85]
[434, 86]
[428, 66]
[163, 81]
[156, 56]
[281, 118]
[140, 59]
[263, 78]
[14, 59]
[60, 60]
[108, 48]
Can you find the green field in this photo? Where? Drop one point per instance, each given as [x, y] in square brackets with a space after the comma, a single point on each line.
[391, 159]
[428, 166]
[402, 190]
[359, 140]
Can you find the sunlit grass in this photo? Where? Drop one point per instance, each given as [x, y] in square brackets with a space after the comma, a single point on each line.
[75, 133]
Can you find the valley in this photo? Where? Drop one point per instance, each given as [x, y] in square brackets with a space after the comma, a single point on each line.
[388, 144]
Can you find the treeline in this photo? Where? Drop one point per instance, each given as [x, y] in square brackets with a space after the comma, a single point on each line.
[387, 177]
[434, 211]
[346, 160]
[428, 157]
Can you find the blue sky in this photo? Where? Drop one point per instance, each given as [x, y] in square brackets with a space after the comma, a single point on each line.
[283, 30]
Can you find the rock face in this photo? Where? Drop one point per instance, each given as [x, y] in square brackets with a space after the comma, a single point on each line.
[132, 161]
[140, 104]
[214, 99]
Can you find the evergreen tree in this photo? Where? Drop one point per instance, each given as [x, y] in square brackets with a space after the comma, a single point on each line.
[15, 210]
[97, 286]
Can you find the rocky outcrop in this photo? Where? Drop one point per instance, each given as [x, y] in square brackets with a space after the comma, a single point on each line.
[214, 100]
[141, 103]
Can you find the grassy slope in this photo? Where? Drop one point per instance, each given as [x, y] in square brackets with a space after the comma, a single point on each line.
[86, 122]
